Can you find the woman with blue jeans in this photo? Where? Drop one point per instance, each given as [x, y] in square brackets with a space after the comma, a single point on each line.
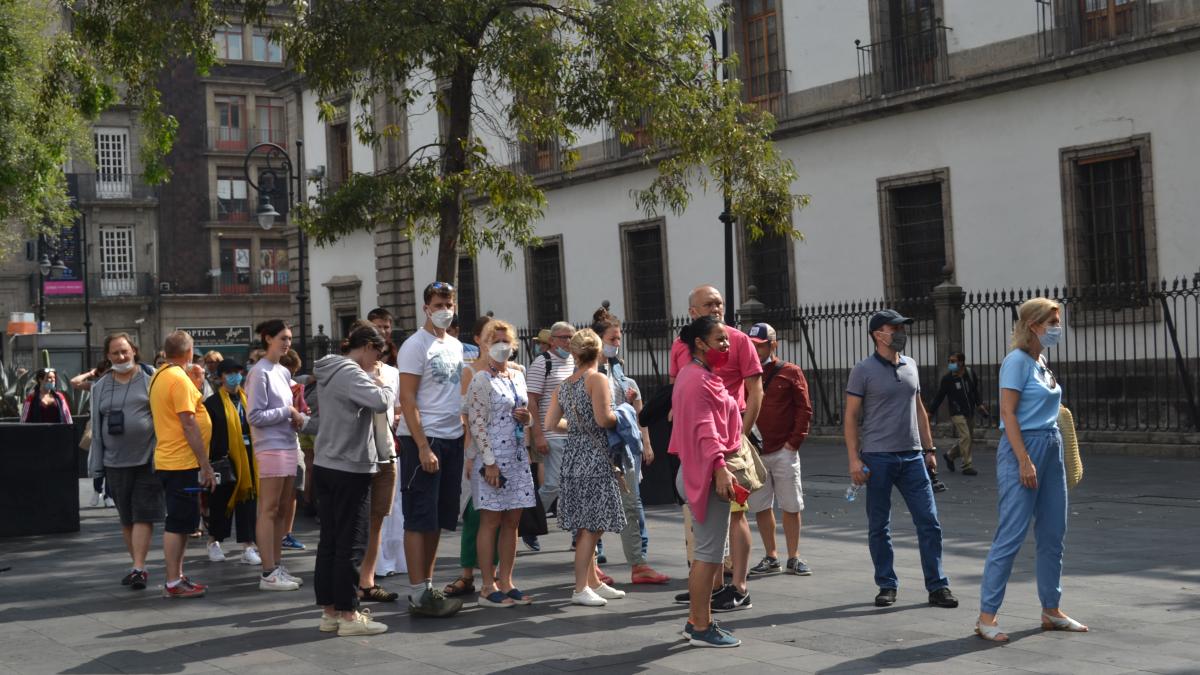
[1031, 482]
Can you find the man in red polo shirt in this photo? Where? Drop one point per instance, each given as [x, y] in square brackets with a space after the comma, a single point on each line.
[783, 423]
[742, 376]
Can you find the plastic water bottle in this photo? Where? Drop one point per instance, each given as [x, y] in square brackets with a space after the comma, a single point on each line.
[853, 490]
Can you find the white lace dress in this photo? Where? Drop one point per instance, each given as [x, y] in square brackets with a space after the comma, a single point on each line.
[490, 402]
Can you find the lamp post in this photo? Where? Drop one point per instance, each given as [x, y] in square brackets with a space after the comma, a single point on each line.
[277, 161]
[50, 265]
[726, 216]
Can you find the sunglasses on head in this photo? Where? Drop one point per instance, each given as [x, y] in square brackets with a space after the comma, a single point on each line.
[441, 286]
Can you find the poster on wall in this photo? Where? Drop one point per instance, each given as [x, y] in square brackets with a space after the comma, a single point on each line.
[70, 250]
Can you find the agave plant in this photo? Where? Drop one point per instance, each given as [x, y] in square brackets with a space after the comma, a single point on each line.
[12, 390]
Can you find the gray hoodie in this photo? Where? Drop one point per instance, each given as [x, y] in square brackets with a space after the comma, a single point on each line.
[348, 400]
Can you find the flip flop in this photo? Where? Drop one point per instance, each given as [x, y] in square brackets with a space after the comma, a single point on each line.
[519, 597]
[496, 599]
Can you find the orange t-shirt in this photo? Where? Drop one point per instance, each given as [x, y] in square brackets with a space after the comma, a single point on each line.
[172, 392]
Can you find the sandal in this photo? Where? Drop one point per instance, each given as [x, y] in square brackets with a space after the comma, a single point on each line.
[496, 599]
[1065, 623]
[604, 578]
[645, 574]
[518, 597]
[460, 586]
[990, 633]
[377, 593]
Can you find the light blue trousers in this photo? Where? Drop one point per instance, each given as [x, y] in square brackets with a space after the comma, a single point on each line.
[1045, 506]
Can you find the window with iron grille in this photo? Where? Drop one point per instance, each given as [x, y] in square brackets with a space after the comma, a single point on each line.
[1105, 20]
[112, 162]
[467, 295]
[917, 237]
[117, 263]
[544, 281]
[766, 265]
[1109, 213]
[914, 42]
[762, 56]
[645, 270]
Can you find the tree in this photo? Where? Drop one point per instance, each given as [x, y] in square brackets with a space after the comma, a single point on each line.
[544, 69]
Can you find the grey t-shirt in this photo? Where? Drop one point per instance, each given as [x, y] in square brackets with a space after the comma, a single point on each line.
[889, 402]
[135, 446]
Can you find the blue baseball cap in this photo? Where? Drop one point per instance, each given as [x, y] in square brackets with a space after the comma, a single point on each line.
[886, 317]
[761, 332]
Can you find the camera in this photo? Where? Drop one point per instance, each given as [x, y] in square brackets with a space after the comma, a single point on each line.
[115, 422]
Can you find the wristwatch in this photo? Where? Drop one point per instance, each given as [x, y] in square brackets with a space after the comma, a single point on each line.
[930, 451]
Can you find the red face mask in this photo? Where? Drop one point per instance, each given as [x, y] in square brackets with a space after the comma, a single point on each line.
[716, 358]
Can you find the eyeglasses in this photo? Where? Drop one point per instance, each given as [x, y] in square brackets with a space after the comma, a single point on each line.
[1048, 374]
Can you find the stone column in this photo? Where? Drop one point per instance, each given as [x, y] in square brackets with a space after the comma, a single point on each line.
[752, 310]
[948, 300]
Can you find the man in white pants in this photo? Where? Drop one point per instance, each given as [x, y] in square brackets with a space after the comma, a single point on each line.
[783, 424]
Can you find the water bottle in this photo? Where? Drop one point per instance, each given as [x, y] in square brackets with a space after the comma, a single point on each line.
[853, 490]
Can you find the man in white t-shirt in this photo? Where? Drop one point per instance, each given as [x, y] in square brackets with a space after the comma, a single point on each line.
[431, 446]
[543, 378]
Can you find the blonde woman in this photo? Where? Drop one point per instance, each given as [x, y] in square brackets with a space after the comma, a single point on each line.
[1029, 471]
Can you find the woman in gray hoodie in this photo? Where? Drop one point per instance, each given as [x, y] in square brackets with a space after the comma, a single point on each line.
[344, 459]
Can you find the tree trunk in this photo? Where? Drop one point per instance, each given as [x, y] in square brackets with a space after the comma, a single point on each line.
[454, 161]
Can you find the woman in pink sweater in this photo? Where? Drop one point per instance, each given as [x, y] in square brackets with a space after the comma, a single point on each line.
[707, 429]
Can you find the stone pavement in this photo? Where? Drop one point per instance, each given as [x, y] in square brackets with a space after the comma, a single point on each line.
[1131, 573]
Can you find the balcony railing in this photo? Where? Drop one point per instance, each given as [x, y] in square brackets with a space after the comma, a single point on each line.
[1074, 26]
[120, 284]
[231, 210]
[903, 62]
[537, 158]
[245, 282]
[241, 139]
[108, 185]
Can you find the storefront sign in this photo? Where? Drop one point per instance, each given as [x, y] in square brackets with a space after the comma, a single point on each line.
[211, 336]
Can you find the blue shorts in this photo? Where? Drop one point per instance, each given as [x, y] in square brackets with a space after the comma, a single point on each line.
[429, 501]
[183, 506]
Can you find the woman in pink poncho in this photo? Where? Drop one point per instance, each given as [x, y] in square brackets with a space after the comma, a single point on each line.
[707, 429]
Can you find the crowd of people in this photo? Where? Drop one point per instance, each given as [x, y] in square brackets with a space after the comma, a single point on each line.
[393, 445]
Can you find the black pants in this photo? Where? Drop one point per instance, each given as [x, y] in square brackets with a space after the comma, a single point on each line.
[218, 524]
[344, 507]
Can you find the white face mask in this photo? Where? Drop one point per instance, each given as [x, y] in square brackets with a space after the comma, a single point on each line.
[500, 351]
[442, 318]
[123, 367]
[610, 351]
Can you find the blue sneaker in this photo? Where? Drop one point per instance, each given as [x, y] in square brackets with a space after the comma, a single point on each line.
[688, 629]
[532, 543]
[713, 637]
[292, 543]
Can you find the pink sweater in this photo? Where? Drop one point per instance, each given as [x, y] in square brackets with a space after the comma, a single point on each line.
[707, 427]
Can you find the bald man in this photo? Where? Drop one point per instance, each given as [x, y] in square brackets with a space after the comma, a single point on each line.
[742, 376]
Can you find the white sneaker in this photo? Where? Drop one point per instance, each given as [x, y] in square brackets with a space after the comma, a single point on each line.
[608, 592]
[588, 598]
[361, 624]
[96, 500]
[109, 503]
[250, 556]
[215, 554]
[329, 623]
[283, 571]
[276, 582]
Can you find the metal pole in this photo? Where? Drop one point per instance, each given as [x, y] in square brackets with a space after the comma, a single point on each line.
[301, 295]
[87, 298]
[41, 281]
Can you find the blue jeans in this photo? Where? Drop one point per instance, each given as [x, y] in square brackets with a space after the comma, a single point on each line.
[1046, 505]
[906, 471]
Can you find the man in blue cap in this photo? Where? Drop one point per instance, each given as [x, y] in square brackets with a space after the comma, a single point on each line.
[893, 448]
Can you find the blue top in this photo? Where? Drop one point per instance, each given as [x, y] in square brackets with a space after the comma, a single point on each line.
[889, 403]
[1040, 391]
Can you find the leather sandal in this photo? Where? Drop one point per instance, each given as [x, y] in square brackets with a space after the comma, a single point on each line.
[645, 574]
[377, 593]
[990, 633]
[460, 586]
[1064, 623]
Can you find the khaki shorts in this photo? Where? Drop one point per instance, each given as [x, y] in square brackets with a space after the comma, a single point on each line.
[782, 485]
[383, 490]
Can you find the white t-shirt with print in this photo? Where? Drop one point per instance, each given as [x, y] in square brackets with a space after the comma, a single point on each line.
[439, 363]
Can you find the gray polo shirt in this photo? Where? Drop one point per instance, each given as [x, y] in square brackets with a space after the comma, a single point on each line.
[889, 402]
[135, 447]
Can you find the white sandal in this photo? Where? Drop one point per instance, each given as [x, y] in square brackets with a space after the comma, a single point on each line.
[1065, 623]
[990, 633]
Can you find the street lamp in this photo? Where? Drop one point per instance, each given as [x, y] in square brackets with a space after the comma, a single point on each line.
[277, 161]
[50, 265]
[726, 216]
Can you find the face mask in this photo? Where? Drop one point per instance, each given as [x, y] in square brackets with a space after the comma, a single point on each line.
[561, 353]
[47, 386]
[953, 367]
[610, 351]
[233, 380]
[442, 318]
[123, 367]
[765, 361]
[716, 358]
[1052, 336]
[899, 342]
[500, 351]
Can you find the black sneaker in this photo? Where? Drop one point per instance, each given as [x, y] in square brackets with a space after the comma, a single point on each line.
[886, 597]
[532, 543]
[942, 597]
[939, 486]
[729, 600]
[949, 462]
[685, 597]
[970, 471]
[138, 583]
[766, 566]
[798, 567]
[128, 578]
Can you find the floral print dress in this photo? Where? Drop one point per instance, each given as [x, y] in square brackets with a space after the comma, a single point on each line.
[490, 402]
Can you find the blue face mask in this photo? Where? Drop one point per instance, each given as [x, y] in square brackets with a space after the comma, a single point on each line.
[233, 380]
[561, 353]
[953, 366]
[1052, 336]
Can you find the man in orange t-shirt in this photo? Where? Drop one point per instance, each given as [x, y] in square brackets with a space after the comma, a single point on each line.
[182, 429]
